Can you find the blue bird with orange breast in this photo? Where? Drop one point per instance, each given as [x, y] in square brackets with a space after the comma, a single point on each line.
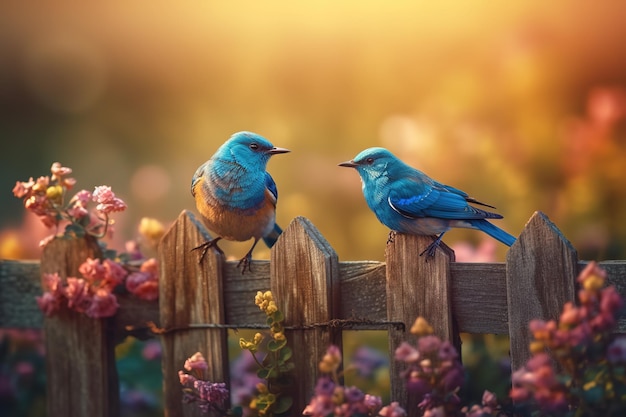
[236, 196]
[408, 201]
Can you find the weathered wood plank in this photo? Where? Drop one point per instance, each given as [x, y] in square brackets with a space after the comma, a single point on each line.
[416, 286]
[20, 284]
[479, 301]
[541, 270]
[80, 357]
[478, 294]
[363, 291]
[305, 282]
[189, 293]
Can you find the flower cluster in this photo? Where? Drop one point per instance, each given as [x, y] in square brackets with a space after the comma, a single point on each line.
[45, 197]
[434, 375]
[578, 363]
[273, 371]
[211, 397]
[93, 294]
[333, 399]
[276, 366]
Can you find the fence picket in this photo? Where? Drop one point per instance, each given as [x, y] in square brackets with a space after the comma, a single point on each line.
[305, 282]
[540, 273]
[80, 355]
[189, 293]
[310, 286]
[416, 286]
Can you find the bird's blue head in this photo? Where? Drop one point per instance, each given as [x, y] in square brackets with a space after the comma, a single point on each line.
[373, 163]
[247, 148]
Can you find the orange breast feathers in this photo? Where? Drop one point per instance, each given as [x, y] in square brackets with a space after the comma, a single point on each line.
[235, 224]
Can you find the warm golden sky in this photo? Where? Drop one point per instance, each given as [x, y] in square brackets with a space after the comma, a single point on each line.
[479, 94]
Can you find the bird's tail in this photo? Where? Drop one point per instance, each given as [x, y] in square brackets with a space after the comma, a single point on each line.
[273, 236]
[493, 231]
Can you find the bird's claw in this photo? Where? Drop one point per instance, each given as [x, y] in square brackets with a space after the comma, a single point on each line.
[206, 246]
[391, 237]
[430, 250]
[245, 263]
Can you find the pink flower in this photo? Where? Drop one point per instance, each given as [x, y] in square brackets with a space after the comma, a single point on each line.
[52, 283]
[77, 211]
[151, 350]
[114, 274]
[104, 304]
[59, 171]
[49, 303]
[92, 269]
[107, 201]
[22, 189]
[320, 406]
[392, 410]
[145, 283]
[83, 197]
[196, 361]
[186, 379]
[78, 295]
[489, 399]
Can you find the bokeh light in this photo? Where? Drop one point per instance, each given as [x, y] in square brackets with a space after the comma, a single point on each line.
[521, 104]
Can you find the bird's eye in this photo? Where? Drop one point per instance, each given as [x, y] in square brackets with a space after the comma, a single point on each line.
[369, 161]
[254, 146]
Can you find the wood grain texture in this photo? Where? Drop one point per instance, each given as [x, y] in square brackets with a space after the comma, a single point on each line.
[305, 283]
[416, 286]
[189, 293]
[541, 270]
[80, 357]
[479, 299]
[19, 285]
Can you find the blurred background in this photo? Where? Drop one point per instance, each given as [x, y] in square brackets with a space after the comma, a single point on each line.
[521, 103]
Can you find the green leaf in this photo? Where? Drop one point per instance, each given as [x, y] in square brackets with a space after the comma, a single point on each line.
[275, 345]
[285, 354]
[283, 405]
[278, 316]
[263, 373]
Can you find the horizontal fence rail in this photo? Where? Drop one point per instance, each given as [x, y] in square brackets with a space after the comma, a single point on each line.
[319, 295]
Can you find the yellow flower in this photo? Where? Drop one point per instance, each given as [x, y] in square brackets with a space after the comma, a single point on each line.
[258, 338]
[421, 327]
[271, 308]
[54, 192]
[280, 336]
[151, 228]
[263, 300]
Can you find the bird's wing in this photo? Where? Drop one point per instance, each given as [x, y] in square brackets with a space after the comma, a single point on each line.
[196, 178]
[271, 186]
[415, 197]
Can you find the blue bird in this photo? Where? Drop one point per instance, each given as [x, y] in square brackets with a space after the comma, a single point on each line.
[408, 201]
[236, 196]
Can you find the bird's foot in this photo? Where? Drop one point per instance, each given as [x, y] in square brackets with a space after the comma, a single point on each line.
[391, 237]
[245, 263]
[206, 246]
[432, 248]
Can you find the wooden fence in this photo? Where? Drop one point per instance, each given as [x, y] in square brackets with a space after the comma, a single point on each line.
[319, 295]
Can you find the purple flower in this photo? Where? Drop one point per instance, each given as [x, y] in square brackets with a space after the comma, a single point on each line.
[616, 351]
[353, 395]
[406, 353]
[428, 344]
[324, 386]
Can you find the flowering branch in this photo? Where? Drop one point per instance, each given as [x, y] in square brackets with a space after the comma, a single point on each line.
[45, 197]
[94, 292]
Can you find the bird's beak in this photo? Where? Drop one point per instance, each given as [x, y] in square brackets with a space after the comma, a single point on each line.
[276, 150]
[348, 164]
